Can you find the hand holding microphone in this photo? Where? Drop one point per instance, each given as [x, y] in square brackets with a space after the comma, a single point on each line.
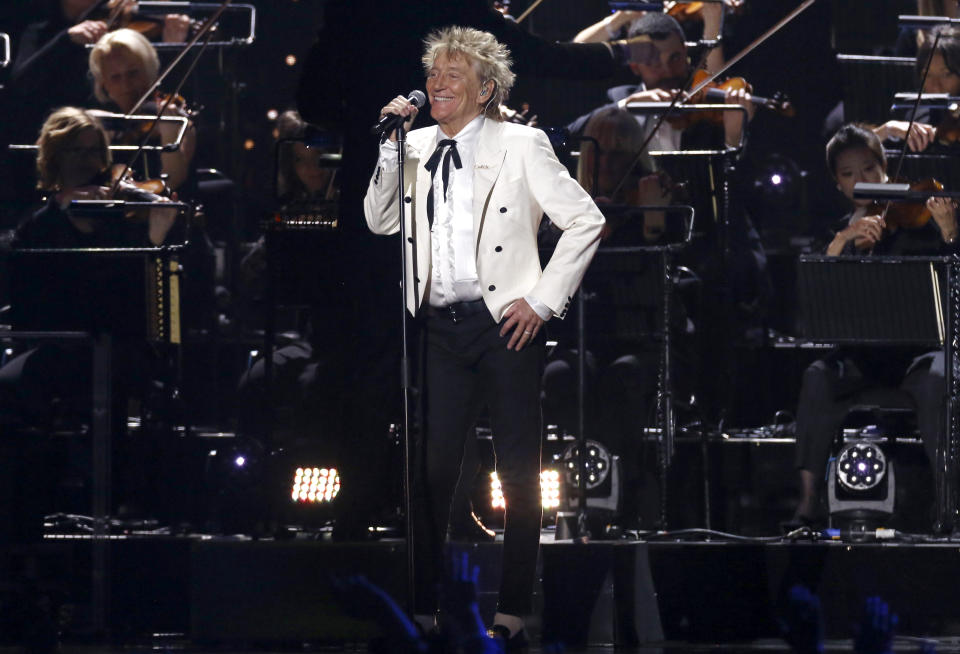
[400, 107]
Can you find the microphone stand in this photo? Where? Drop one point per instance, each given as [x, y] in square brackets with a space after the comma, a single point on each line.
[405, 365]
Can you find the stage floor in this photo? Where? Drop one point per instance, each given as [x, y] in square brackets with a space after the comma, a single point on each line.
[943, 646]
[239, 595]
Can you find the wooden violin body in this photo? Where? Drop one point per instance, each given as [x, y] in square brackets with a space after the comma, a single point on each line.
[716, 93]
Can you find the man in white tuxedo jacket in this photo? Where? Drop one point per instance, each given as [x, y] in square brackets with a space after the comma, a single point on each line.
[475, 192]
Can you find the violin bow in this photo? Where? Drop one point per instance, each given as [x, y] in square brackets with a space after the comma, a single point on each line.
[204, 29]
[913, 118]
[204, 32]
[913, 112]
[687, 95]
[528, 11]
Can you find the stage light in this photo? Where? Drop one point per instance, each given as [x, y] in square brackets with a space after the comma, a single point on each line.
[272, 114]
[315, 485]
[861, 466]
[496, 492]
[249, 144]
[240, 461]
[603, 477]
[597, 464]
[861, 483]
[291, 60]
[776, 179]
[549, 490]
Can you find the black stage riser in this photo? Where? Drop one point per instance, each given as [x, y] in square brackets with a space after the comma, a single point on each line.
[270, 592]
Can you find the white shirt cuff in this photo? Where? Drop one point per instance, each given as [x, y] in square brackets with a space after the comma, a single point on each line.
[388, 156]
[539, 308]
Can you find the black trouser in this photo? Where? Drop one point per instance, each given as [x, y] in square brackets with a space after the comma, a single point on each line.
[468, 366]
[830, 388]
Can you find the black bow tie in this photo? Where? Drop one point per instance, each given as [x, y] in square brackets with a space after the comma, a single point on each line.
[432, 164]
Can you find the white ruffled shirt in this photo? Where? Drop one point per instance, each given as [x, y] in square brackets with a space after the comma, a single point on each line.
[454, 250]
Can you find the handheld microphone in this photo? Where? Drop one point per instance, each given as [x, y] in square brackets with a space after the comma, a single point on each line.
[416, 98]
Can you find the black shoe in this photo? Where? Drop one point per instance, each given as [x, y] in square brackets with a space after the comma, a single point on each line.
[516, 643]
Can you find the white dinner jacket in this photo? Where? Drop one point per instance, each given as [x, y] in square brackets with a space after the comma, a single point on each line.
[516, 179]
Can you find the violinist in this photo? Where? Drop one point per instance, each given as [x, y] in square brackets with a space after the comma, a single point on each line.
[942, 77]
[827, 391]
[662, 69]
[123, 65]
[73, 155]
[625, 307]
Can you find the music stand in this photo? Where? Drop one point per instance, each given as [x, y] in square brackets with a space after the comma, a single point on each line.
[232, 16]
[870, 83]
[888, 301]
[666, 418]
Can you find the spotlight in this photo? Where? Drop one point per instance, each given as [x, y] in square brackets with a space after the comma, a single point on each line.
[291, 60]
[597, 465]
[240, 461]
[249, 144]
[603, 470]
[272, 114]
[315, 485]
[861, 482]
[861, 466]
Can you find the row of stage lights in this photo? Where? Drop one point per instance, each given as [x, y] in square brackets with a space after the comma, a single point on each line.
[549, 490]
[315, 485]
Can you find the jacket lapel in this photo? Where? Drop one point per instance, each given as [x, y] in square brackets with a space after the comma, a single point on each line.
[487, 166]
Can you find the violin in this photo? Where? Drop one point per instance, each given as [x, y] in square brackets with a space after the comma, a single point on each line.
[693, 11]
[126, 14]
[717, 92]
[907, 215]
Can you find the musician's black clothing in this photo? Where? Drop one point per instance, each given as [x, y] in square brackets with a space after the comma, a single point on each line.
[49, 71]
[75, 292]
[831, 385]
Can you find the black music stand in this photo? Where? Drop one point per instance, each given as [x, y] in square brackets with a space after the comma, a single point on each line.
[885, 301]
[870, 83]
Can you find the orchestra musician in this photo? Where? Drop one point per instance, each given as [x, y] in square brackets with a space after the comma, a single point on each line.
[123, 65]
[625, 312]
[855, 154]
[662, 68]
[478, 286]
[72, 158]
[942, 77]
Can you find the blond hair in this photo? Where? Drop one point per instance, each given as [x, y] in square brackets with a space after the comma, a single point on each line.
[59, 130]
[490, 60]
[122, 40]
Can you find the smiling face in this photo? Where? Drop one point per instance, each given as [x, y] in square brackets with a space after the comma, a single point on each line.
[667, 68]
[454, 92]
[858, 164]
[124, 78]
